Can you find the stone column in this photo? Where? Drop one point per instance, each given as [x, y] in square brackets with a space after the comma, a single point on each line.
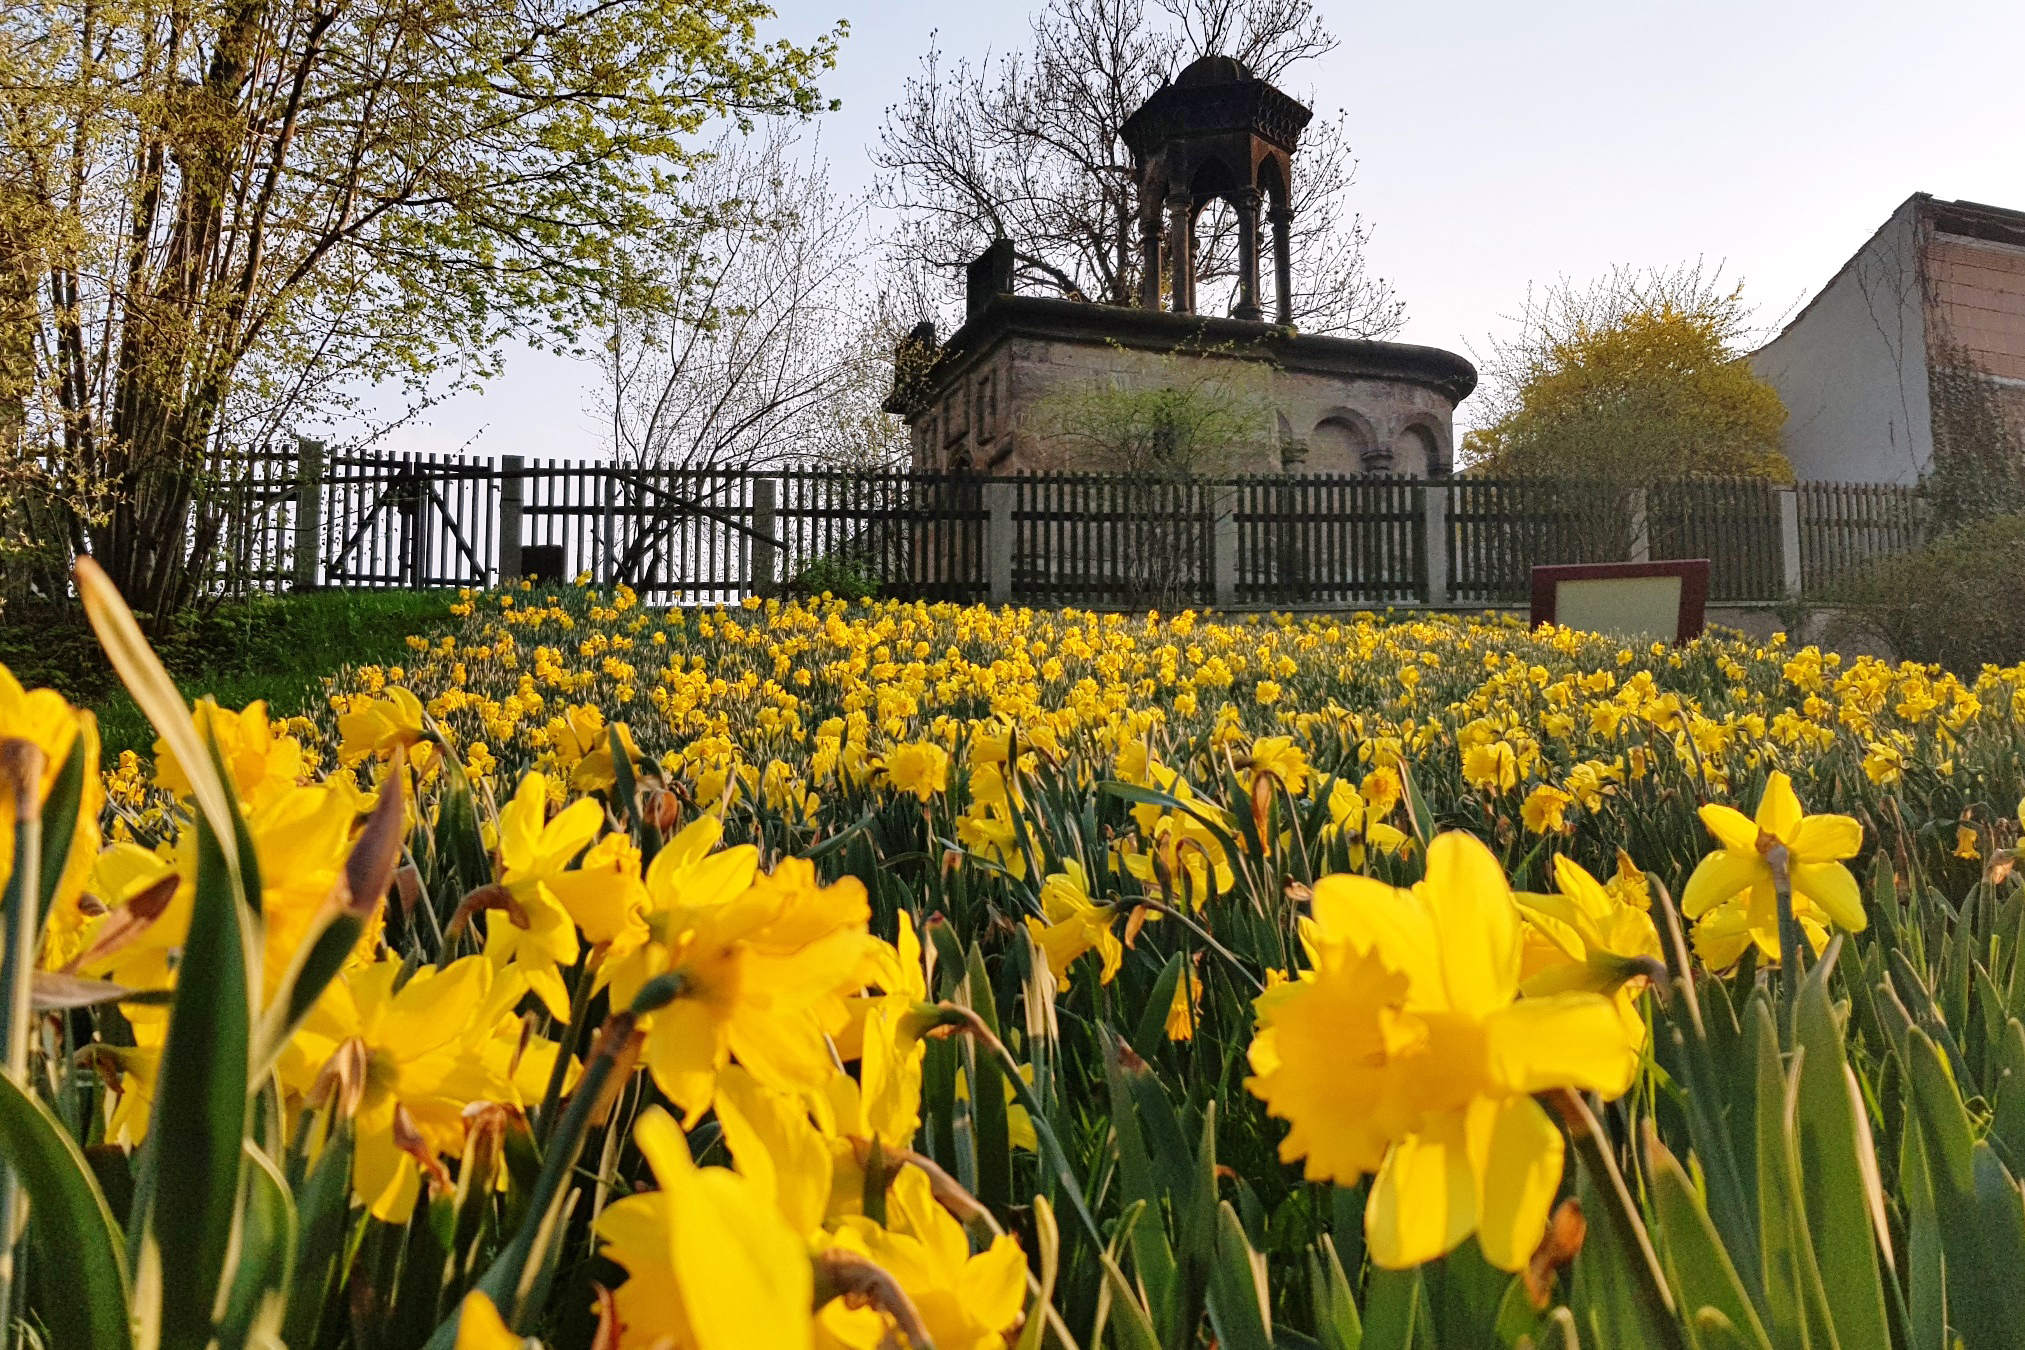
[512, 508]
[1435, 531]
[1282, 217]
[1181, 251]
[1149, 263]
[764, 561]
[1247, 203]
[998, 540]
[308, 512]
[1792, 575]
[1223, 546]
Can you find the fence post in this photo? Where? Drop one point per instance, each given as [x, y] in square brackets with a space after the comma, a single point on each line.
[998, 540]
[608, 555]
[512, 498]
[308, 512]
[1434, 531]
[765, 563]
[418, 533]
[1223, 545]
[1789, 542]
[1641, 529]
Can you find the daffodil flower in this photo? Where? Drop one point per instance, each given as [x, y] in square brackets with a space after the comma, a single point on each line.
[411, 1070]
[1351, 817]
[1075, 924]
[1733, 892]
[965, 1301]
[259, 763]
[919, 767]
[761, 973]
[534, 866]
[710, 1263]
[383, 725]
[1587, 936]
[1406, 1050]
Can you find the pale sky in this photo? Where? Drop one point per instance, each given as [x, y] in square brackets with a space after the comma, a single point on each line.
[1501, 144]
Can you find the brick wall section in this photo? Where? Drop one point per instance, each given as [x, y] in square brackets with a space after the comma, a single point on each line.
[1979, 297]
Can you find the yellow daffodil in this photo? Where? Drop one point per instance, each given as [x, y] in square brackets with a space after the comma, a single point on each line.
[44, 719]
[382, 725]
[260, 762]
[581, 742]
[1491, 767]
[1545, 809]
[919, 767]
[1352, 818]
[761, 973]
[1075, 924]
[410, 1066]
[1280, 757]
[888, 1042]
[1589, 936]
[1406, 1050]
[1732, 894]
[966, 1301]
[535, 854]
[710, 1263]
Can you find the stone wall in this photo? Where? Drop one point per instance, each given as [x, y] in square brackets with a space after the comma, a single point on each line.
[996, 410]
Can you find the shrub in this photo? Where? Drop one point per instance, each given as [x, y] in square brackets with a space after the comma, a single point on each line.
[844, 578]
[1954, 601]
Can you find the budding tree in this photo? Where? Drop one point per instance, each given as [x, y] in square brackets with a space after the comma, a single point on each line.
[1025, 146]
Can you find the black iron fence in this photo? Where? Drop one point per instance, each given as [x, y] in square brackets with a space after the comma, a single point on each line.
[304, 520]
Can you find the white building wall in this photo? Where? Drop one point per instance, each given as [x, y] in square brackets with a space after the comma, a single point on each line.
[1852, 368]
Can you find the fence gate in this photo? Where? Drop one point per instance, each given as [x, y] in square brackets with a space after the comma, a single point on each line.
[413, 521]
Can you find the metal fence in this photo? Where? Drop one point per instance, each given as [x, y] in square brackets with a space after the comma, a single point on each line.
[1095, 540]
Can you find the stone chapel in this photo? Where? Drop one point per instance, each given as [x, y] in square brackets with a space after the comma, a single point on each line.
[1337, 405]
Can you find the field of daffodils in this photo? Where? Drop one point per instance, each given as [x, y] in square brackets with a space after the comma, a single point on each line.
[825, 974]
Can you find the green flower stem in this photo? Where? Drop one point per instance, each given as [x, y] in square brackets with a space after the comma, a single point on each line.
[1791, 939]
[20, 773]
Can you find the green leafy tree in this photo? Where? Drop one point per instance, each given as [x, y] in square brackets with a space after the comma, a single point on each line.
[1639, 377]
[218, 217]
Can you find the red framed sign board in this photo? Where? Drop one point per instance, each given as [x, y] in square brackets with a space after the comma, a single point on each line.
[1659, 601]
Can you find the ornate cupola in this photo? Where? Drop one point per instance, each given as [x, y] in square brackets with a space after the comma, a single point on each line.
[1218, 131]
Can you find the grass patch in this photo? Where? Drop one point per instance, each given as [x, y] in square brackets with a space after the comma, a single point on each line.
[278, 648]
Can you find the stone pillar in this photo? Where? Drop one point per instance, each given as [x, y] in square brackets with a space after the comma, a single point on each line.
[998, 540]
[1434, 530]
[1149, 263]
[1282, 217]
[512, 504]
[764, 558]
[1181, 251]
[308, 512]
[1223, 546]
[1789, 543]
[1641, 530]
[1247, 203]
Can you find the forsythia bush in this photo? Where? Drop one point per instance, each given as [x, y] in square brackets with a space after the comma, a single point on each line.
[857, 975]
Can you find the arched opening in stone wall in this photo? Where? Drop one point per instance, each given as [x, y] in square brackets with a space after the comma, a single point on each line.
[1338, 445]
[1415, 454]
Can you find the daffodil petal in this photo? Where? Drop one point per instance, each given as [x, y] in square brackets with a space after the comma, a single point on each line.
[1561, 1040]
[1825, 839]
[1476, 923]
[1731, 827]
[1779, 809]
[1720, 877]
[1830, 885]
[1517, 1151]
[1424, 1201]
[480, 1327]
